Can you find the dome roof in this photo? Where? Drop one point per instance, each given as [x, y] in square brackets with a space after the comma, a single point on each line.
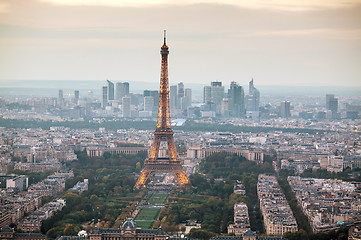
[128, 224]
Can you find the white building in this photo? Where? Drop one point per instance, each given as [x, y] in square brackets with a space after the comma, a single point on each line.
[126, 107]
[148, 103]
[19, 182]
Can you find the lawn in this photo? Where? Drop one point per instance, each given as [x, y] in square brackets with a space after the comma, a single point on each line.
[158, 198]
[146, 217]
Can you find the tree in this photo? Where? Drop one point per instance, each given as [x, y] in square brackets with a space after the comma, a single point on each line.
[70, 230]
[200, 234]
[138, 166]
[52, 233]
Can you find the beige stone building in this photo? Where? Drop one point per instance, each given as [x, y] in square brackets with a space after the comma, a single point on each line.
[128, 231]
[277, 214]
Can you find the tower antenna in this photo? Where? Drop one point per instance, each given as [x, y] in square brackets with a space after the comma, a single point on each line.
[165, 31]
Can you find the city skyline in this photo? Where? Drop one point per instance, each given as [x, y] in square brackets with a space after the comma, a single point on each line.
[293, 43]
[260, 157]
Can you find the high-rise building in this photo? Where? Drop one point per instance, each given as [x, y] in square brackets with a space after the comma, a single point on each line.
[226, 107]
[253, 98]
[173, 96]
[217, 92]
[213, 95]
[186, 101]
[104, 96]
[148, 103]
[76, 96]
[180, 94]
[110, 86]
[126, 107]
[236, 95]
[61, 97]
[216, 84]
[121, 90]
[285, 109]
[206, 94]
[328, 99]
[154, 94]
[332, 103]
[60, 94]
[136, 98]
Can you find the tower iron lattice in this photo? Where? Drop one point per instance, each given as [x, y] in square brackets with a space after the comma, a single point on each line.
[163, 133]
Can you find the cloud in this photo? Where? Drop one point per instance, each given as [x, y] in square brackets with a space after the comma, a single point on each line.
[90, 39]
[272, 4]
[342, 34]
[4, 6]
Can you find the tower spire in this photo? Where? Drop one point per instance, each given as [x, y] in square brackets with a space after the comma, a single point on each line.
[165, 31]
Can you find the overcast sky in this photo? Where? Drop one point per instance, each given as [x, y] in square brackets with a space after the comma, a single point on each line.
[288, 42]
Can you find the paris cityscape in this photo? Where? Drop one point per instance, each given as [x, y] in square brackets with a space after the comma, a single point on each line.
[181, 155]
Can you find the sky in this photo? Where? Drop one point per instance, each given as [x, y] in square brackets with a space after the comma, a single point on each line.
[276, 42]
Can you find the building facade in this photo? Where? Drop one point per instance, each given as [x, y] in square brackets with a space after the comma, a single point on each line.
[253, 98]
[110, 87]
[126, 107]
[128, 231]
[285, 109]
[121, 90]
[236, 94]
[104, 96]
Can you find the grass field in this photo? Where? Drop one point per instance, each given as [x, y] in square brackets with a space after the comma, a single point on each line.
[158, 198]
[146, 217]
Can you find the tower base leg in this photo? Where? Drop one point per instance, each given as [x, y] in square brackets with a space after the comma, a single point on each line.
[142, 179]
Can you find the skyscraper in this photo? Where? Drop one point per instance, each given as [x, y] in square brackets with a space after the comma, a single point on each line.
[206, 94]
[285, 109]
[253, 98]
[217, 92]
[213, 95]
[126, 106]
[61, 97]
[173, 96]
[216, 84]
[331, 103]
[154, 94]
[237, 104]
[76, 96]
[180, 94]
[104, 96]
[187, 99]
[121, 90]
[60, 94]
[110, 86]
[328, 100]
[148, 103]
[226, 107]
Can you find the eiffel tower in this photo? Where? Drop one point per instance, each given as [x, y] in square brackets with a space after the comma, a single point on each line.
[163, 133]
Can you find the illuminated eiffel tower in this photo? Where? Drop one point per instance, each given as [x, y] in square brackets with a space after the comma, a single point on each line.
[163, 133]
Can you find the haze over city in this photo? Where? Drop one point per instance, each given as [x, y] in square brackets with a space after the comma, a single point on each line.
[299, 43]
